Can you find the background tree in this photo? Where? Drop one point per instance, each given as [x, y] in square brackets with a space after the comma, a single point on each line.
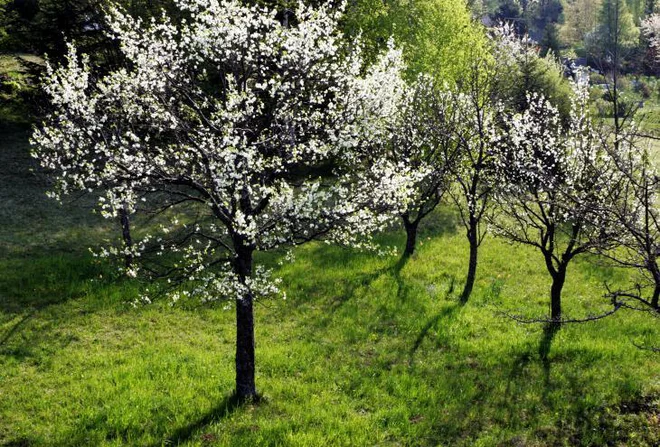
[489, 85]
[510, 11]
[438, 37]
[650, 27]
[550, 41]
[580, 19]
[228, 124]
[474, 130]
[556, 182]
[615, 36]
[521, 70]
[636, 214]
[422, 139]
[44, 26]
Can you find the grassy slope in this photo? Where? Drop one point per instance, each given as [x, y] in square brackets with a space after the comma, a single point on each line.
[361, 353]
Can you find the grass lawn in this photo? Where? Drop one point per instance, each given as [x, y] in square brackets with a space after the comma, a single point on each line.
[361, 352]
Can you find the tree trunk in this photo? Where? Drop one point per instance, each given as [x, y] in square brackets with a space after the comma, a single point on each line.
[411, 236]
[655, 272]
[245, 385]
[126, 235]
[558, 280]
[472, 264]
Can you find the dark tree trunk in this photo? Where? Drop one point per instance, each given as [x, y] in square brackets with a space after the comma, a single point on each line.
[411, 236]
[473, 239]
[655, 272]
[126, 234]
[558, 280]
[245, 385]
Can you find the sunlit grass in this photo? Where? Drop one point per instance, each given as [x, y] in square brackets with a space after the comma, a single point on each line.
[364, 351]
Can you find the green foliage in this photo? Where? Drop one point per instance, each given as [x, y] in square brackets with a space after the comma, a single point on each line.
[44, 26]
[532, 73]
[18, 87]
[616, 34]
[637, 10]
[438, 36]
[510, 11]
[580, 19]
[550, 42]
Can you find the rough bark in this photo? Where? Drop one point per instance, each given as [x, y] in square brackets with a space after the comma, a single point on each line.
[558, 280]
[126, 235]
[411, 236]
[473, 239]
[245, 384]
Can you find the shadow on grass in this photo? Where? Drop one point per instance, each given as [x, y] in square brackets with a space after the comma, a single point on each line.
[223, 410]
[529, 396]
[446, 315]
[34, 297]
[401, 289]
[524, 359]
[16, 328]
[351, 285]
[37, 283]
[549, 332]
[442, 221]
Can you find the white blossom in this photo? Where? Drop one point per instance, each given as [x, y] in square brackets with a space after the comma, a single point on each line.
[260, 135]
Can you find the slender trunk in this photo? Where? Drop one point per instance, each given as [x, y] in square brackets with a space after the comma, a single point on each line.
[126, 235]
[411, 236]
[656, 279]
[245, 385]
[558, 280]
[473, 239]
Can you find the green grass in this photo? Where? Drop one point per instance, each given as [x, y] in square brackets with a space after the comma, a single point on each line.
[18, 87]
[360, 353]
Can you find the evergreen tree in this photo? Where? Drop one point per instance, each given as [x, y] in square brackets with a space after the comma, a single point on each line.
[550, 42]
[616, 34]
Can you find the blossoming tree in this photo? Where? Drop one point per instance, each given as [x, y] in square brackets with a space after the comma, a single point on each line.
[421, 138]
[555, 183]
[475, 133]
[650, 27]
[247, 133]
[638, 217]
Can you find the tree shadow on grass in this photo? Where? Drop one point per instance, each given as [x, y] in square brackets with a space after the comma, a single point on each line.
[401, 289]
[526, 357]
[96, 429]
[181, 435]
[16, 328]
[36, 284]
[521, 391]
[549, 332]
[446, 316]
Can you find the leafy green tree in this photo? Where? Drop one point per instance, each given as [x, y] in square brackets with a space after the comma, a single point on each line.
[522, 70]
[439, 37]
[615, 36]
[580, 19]
[550, 42]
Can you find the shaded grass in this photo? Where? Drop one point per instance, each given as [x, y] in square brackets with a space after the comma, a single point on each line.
[365, 350]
